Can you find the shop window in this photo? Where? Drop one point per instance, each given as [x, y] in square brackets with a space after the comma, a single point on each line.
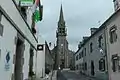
[102, 64]
[113, 35]
[115, 63]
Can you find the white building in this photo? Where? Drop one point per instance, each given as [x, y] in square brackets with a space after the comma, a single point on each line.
[18, 44]
[44, 58]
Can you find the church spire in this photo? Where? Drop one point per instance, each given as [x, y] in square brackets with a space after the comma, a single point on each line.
[61, 18]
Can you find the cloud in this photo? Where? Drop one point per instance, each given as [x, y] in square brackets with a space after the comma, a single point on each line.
[79, 15]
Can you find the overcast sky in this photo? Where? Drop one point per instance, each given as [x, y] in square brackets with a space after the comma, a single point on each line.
[79, 15]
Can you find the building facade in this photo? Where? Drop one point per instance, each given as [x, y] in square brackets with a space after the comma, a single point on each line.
[44, 58]
[101, 50]
[18, 44]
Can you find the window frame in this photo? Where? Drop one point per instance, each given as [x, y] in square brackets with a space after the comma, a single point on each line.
[91, 47]
[115, 63]
[100, 41]
[113, 34]
[102, 64]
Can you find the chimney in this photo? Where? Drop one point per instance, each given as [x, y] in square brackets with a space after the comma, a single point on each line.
[85, 38]
[93, 30]
[79, 45]
[116, 4]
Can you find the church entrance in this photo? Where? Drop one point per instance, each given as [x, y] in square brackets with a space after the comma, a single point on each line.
[62, 64]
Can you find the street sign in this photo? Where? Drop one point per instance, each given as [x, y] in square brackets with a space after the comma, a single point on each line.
[40, 47]
[26, 2]
[7, 60]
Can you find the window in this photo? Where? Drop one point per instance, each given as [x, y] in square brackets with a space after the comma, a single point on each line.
[102, 64]
[85, 66]
[1, 26]
[85, 52]
[77, 67]
[113, 35]
[0, 16]
[115, 63]
[1, 29]
[23, 11]
[79, 56]
[0, 53]
[100, 41]
[91, 47]
[76, 57]
[82, 54]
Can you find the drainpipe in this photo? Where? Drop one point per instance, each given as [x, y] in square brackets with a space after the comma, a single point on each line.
[107, 52]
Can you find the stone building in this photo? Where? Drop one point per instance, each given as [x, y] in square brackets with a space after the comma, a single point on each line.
[100, 51]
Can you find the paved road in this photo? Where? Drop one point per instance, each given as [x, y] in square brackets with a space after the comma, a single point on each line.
[71, 75]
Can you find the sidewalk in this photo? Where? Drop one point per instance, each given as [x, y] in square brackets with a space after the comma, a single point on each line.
[52, 76]
[86, 76]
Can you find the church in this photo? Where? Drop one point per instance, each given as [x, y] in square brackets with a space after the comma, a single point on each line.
[61, 51]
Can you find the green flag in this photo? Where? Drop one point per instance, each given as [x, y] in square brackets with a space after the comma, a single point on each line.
[37, 16]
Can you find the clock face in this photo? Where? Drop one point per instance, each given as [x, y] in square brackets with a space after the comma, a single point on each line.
[61, 45]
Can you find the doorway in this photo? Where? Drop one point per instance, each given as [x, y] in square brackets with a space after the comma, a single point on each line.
[19, 59]
[92, 68]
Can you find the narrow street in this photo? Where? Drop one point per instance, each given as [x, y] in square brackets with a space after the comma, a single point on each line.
[71, 75]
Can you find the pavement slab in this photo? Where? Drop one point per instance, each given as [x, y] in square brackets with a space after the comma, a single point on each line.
[71, 75]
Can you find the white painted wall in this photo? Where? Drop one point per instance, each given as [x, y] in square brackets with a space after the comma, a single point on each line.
[26, 60]
[7, 41]
[40, 71]
[14, 14]
[7, 44]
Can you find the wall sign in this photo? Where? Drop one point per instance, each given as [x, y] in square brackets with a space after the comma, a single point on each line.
[7, 61]
[26, 2]
[40, 47]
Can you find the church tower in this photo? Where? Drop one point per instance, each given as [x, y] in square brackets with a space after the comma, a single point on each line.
[62, 43]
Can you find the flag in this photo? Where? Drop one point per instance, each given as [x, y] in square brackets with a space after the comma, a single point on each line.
[35, 5]
[37, 16]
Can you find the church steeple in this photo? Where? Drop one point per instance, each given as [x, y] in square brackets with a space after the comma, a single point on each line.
[61, 31]
[61, 18]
